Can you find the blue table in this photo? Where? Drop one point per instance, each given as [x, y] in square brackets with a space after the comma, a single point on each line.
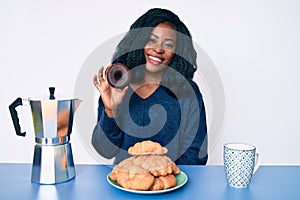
[205, 182]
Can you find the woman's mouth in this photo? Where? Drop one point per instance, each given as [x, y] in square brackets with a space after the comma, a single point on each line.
[155, 60]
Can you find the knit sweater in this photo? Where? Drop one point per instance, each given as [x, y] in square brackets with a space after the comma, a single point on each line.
[178, 123]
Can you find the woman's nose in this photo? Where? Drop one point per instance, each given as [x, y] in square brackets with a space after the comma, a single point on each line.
[158, 48]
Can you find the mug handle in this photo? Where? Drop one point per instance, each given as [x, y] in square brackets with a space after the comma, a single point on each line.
[257, 164]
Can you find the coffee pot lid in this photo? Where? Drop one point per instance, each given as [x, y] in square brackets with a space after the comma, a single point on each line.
[51, 97]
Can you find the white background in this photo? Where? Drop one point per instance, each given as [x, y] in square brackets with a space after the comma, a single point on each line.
[253, 44]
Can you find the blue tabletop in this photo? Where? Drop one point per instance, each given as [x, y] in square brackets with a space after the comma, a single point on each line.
[204, 182]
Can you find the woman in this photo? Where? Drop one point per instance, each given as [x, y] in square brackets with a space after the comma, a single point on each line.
[161, 103]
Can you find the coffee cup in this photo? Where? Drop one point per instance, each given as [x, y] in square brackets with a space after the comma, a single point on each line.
[240, 162]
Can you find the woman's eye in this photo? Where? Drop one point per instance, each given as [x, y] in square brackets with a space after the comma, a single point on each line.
[169, 45]
[151, 40]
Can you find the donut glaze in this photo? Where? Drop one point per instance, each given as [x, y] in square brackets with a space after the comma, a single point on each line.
[118, 75]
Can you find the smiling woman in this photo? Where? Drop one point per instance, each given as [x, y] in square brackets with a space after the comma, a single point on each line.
[160, 48]
[161, 103]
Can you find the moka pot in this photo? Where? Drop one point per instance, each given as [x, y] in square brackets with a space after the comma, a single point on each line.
[52, 121]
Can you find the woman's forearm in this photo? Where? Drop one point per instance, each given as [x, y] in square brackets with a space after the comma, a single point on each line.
[106, 137]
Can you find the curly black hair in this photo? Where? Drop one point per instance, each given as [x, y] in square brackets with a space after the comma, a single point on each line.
[130, 50]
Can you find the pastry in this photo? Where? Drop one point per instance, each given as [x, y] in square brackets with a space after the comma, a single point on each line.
[118, 75]
[146, 169]
[146, 148]
[164, 182]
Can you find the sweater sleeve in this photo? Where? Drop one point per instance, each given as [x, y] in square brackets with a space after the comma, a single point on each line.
[194, 135]
[107, 137]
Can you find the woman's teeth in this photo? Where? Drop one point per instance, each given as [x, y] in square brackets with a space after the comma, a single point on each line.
[155, 59]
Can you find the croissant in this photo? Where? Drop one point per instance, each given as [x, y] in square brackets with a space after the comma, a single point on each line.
[146, 169]
[147, 147]
[164, 182]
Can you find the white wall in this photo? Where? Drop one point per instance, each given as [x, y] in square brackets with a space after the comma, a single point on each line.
[253, 45]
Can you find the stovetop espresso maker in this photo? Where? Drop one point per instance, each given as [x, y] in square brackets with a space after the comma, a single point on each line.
[52, 121]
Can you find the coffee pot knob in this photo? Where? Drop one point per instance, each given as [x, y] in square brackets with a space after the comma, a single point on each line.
[51, 90]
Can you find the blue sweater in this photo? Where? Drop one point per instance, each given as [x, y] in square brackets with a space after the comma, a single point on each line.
[177, 123]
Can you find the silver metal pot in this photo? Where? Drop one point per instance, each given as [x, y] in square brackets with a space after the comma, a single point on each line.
[53, 122]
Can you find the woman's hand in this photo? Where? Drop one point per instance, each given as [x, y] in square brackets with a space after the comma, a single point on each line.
[111, 97]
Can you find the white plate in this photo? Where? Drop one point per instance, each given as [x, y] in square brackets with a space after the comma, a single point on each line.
[181, 179]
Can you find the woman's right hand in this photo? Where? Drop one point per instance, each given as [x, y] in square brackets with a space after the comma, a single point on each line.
[111, 97]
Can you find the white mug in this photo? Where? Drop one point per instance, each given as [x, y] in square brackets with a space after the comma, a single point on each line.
[240, 162]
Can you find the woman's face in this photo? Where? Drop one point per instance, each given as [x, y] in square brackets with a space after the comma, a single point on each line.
[160, 48]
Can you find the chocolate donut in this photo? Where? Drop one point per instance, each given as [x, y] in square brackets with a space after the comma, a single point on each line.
[118, 75]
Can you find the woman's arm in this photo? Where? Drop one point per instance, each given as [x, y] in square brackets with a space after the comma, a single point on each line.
[107, 137]
[194, 136]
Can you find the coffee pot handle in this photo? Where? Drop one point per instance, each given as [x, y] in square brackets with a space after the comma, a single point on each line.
[14, 116]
